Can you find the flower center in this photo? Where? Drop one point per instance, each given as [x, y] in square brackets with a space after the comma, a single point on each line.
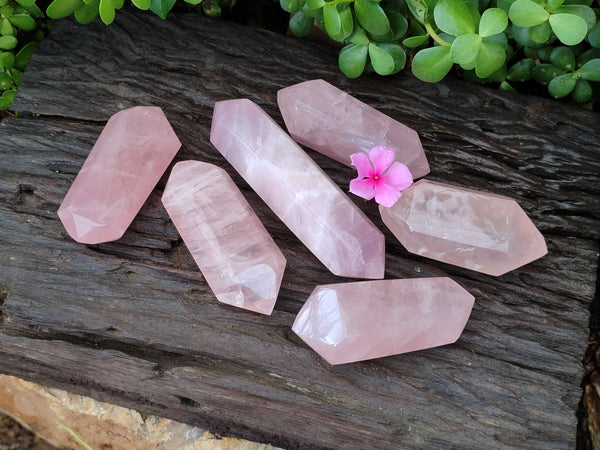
[376, 177]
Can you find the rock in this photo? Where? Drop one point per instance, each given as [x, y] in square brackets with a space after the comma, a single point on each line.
[58, 417]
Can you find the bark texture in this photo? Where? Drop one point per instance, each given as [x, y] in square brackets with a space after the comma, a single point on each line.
[132, 322]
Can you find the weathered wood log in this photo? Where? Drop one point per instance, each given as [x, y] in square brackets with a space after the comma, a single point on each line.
[133, 322]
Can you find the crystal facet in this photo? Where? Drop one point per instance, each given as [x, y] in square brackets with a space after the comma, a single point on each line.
[350, 322]
[476, 230]
[336, 124]
[312, 206]
[128, 159]
[239, 260]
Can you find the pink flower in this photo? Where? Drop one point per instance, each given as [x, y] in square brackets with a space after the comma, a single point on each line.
[379, 176]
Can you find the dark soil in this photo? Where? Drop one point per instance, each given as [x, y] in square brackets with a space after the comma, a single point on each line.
[14, 437]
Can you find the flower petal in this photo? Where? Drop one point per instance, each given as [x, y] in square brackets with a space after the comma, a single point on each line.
[362, 188]
[381, 157]
[361, 161]
[399, 176]
[386, 195]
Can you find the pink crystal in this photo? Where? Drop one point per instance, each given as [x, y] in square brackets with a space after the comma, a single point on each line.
[131, 154]
[476, 230]
[334, 123]
[351, 322]
[239, 260]
[297, 190]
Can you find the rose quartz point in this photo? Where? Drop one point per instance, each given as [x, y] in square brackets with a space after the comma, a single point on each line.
[351, 322]
[334, 123]
[467, 228]
[313, 207]
[128, 159]
[237, 256]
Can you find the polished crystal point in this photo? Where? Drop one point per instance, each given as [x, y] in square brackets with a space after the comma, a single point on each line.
[312, 206]
[476, 230]
[334, 123]
[129, 157]
[239, 260]
[350, 322]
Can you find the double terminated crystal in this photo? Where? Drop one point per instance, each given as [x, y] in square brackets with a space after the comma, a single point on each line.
[357, 321]
[239, 260]
[476, 230]
[297, 190]
[336, 124]
[131, 154]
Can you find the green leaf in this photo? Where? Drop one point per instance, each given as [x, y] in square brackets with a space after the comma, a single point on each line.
[590, 71]
[332, 19]
[553, 5]
[382, 61]
[453, 17]
[432, 64]
[493, 21]
[59, 9]
[315, 4]
[291, 6]
[314, 13]
[117, 4]
[415, 41]
[107, 11]
[26, 3]
[7, 99]
[543, 73]
[540, 34]
[505, 86]
[6, 11]
[8, 42]
[593, 36]
[7, 60]
[86, 13]
[490, 58]
[588, 55]
[398, 55]
[562, 85]
[465, 48]
[6, 81]
[521, 71]
[505, 5]
[568, 28]
[583, 92]
[585, 12]
[346, 24]
[16, 75]
[24, 55]
[525, 13]
[359, 37]
[23, 21]
[352, 60]
[398, 24]
[371, 17]
[161, 7]
[563, 57]
[141, 4]
[301, 24]
[419, 9]
[6, 28]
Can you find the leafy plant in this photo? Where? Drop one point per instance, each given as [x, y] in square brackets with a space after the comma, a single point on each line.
[20, 32]
[85, 11]
[512, 43]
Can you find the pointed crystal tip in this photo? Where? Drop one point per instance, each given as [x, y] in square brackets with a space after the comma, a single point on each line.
[479, 231]
[351, 322]
[128, 159]
[235, 253]
[332, 122]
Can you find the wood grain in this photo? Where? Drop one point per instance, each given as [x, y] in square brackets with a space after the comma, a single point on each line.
[133, 322]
